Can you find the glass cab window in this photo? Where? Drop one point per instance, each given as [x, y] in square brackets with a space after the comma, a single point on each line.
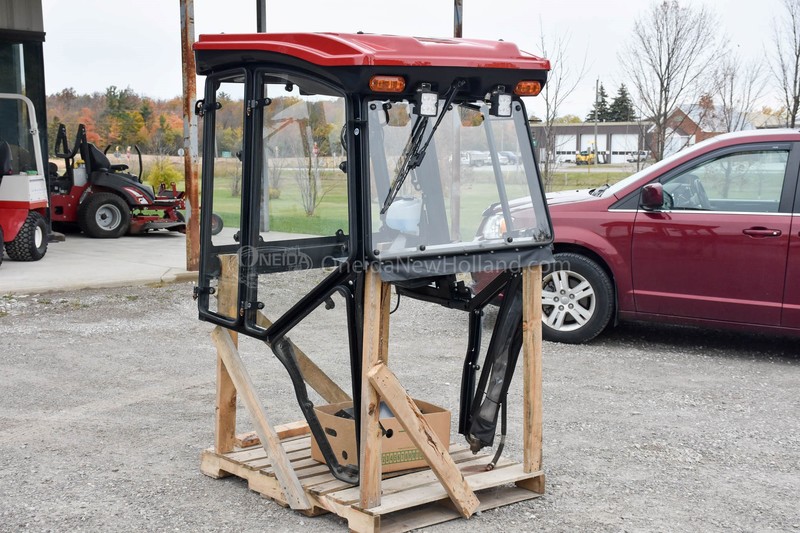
[471, 162]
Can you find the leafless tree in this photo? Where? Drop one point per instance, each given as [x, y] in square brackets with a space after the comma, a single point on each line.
[740, 85]
[785, 62]
[671, 50]
[562, 81]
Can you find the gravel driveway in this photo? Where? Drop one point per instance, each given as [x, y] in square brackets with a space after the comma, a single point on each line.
[107, 400]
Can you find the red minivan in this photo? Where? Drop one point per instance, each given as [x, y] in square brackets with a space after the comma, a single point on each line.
[708, 237]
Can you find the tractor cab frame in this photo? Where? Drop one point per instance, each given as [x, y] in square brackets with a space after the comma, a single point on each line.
[350, 162]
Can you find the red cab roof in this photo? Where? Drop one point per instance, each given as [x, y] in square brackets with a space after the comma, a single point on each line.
[351, 49]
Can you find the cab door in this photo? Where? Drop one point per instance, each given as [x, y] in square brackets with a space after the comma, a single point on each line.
[718, 249]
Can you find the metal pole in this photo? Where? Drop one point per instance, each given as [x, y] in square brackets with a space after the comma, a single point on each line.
[261, 27]
[455, 185]
[261, 16]
[596, 113]
[190, 158]
[458, 18]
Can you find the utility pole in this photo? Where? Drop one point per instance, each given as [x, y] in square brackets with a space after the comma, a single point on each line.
[458, 18]
[261, 16]
[596, 112]
[190, 157]
[455, 185]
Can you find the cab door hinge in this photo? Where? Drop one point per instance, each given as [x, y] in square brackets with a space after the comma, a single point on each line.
[200, 107]
[253, 104]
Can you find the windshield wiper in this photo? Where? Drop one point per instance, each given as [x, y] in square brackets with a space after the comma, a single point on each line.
[414, 151]
[599, 190]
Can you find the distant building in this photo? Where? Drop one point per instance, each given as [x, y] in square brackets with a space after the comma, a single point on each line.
[618, 140]
[21, 62]
[689, 124]
[765, 121]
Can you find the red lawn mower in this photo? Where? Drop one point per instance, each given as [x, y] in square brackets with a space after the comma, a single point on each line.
[104, 200]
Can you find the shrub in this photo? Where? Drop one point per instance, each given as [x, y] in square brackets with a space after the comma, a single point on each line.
[164, 172]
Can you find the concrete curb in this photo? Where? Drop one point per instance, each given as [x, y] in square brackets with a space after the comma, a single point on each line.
[166, 279]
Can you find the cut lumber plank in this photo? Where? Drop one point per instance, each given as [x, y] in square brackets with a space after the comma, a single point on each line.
[532, 367]
[412, 481]
[293, 429]
[508, 473]
[293, 491]
[225, 405]
[424, 438]
[375, 350]
[442, 511]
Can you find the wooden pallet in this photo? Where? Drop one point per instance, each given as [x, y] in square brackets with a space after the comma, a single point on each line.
[276, 461]
[409, 500]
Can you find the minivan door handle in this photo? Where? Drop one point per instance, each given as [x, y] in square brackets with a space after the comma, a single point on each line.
[760, 231]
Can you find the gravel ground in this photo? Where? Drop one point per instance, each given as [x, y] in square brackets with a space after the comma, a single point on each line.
[107, 401]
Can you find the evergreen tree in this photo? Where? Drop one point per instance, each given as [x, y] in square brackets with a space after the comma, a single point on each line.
[600, 108]
[621, 109]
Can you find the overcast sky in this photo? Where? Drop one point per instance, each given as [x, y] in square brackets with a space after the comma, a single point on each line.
[92, 44]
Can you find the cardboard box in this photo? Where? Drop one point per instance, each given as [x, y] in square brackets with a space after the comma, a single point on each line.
[397, 450]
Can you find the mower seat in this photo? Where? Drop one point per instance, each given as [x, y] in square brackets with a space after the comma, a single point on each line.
[98, 160]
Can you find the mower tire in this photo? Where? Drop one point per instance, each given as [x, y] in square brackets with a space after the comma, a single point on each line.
[30, 244]
[104, 216]
[216, 224]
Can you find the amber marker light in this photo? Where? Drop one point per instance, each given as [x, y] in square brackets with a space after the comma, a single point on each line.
[528, 88]
[387, 84]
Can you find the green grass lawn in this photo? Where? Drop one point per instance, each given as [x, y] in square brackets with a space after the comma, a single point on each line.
[581, 179]
[287, 214]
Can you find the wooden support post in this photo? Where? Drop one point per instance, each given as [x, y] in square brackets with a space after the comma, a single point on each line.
[532, 369]
[376, 342]
[425, 439]
[287, 478]
[225, 409]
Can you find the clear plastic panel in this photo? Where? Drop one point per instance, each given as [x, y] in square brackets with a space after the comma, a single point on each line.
[228, 132]
[472, 162]
[304, 192]
[304, 215]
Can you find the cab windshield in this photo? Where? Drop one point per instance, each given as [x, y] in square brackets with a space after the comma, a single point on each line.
[468, 162]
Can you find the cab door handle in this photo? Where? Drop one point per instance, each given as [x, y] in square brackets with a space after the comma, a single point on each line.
[760, 231]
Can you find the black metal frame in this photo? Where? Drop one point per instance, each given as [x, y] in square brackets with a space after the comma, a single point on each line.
[351, 251]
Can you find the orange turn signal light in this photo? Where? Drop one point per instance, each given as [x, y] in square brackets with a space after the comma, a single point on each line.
[528, 88]
[387, 84]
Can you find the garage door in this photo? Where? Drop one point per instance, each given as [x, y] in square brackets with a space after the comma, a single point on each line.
[587, 140]
[565, 148]
[623, 145]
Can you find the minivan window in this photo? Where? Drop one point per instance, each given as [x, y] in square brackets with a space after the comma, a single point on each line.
[748, 182]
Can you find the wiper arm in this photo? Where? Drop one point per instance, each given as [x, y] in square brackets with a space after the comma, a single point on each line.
[409, 159]
[413, 153]
[599, 190]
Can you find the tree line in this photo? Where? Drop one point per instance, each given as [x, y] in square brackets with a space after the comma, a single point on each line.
[621, 108]
[117, 117]
[677, 54]
[121, 118]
